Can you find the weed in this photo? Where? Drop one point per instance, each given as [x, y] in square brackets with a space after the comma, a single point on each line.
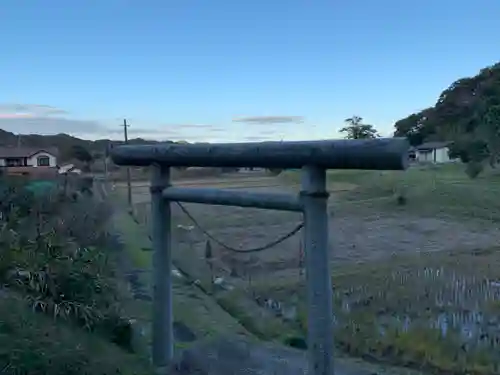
[439, 311]
[55, 261]
[33, 343]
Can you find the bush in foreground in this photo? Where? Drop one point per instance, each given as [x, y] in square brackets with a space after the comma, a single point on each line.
[56, 263]
[54, 254]
[32, 343]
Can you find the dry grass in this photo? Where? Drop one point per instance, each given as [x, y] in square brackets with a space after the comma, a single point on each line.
[401, 265]
[436, 310]
[193, 308]
[60, 297]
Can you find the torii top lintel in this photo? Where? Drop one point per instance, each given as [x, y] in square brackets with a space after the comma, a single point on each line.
[368, 154]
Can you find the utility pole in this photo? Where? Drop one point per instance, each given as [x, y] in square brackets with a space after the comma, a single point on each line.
[129, 183]
[105, 161]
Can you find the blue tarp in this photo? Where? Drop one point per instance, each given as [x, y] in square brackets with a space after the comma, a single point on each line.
[41, 187]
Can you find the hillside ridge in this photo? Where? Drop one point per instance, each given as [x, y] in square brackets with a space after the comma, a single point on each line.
[466, 113]
[63, 142]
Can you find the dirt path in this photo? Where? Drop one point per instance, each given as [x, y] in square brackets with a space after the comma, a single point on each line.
[230, 356]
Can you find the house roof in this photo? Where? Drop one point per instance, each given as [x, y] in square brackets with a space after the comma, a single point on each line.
[432, 145]
[25, 152]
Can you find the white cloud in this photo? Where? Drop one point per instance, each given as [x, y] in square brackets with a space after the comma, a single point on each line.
[269, 119]
[259, 138]
[42, 125]
[45, 119]
[41, 119]
[15, 110]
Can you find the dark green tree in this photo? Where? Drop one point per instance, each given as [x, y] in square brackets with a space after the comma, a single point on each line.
[464, 113]
[489, 132]
[468, 114]
[80, 153]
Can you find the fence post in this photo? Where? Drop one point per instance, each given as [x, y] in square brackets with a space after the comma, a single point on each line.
[318, 275]
[162, 348]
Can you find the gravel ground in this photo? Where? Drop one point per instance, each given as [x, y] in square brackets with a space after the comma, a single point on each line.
[237, 356]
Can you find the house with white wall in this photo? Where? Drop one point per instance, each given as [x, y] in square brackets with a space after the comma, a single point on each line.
[431, 152]
[22, 160]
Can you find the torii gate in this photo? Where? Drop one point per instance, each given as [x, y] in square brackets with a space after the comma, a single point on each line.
[314, 158]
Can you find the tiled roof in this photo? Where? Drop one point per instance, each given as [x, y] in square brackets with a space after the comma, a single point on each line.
[25, 152]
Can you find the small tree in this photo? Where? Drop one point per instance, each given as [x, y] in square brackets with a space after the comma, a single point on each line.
[355, 129]
[82, 154]
[473, 152]
[489, 132]
[209, 260]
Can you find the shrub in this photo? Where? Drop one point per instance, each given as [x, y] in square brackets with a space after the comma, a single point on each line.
[32, 343]
[401, 196]
[401, 199]
[55, 252]
[473, 169]
[296, 342]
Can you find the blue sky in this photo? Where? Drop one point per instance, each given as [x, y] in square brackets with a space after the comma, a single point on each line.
[185, 69]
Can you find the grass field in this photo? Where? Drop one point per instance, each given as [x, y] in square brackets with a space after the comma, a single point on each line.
[415, 284]
[195, 310]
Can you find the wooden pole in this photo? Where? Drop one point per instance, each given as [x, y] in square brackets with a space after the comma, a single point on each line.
[129, 183]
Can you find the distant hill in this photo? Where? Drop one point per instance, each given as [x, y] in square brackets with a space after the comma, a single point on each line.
[467, 113]
[63, 142]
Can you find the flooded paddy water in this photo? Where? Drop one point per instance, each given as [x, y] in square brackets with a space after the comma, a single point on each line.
[442, 317]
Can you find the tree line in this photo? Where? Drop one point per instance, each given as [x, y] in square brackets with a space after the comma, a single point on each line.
[467, 114]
